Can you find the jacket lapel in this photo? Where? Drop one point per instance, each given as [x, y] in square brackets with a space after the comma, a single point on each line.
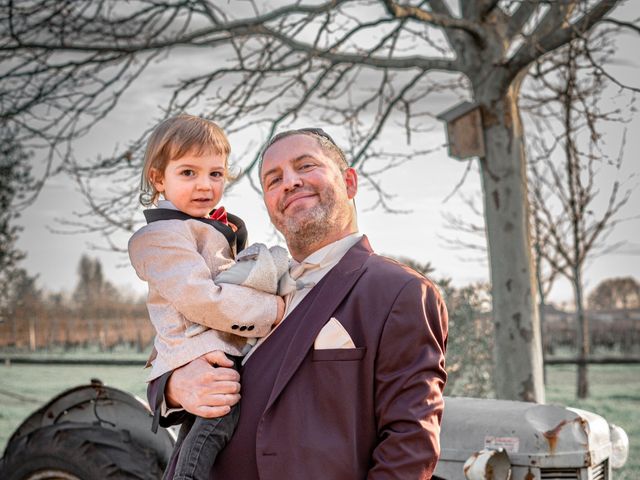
[333, 288]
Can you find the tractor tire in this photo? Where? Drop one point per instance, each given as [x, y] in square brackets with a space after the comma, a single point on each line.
[77, 451]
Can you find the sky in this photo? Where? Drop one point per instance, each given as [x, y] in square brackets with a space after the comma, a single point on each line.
[422, 190]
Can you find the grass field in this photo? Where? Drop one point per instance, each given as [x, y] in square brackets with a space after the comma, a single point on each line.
[615, 394]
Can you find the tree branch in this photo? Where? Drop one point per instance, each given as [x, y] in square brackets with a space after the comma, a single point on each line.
[621, 23]
[556, 30]
[520, 18]
[436, 19]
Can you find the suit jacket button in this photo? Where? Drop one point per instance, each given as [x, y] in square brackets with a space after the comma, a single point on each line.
[234, 327]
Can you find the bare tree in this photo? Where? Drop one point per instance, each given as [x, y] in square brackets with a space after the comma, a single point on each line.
[358, 65]
[564, 193]
[95, 298]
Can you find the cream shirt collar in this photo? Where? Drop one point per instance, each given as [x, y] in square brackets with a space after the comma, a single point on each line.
[327, 257]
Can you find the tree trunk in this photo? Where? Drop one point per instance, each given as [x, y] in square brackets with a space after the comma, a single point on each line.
[32, 334]
[582, 321]
[14, 328]
[66, 342]
[518, 349]
[541, 307]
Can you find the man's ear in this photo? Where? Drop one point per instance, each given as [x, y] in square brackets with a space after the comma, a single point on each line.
[157, 179]
[351, 181]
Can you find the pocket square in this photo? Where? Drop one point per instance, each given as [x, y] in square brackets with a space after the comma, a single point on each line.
[333, 335]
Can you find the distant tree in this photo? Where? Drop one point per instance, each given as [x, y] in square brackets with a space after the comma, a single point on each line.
[615, 293]
[470, 346]
[425, 269]
[565, 196]
[24, 306]
[15, 182]
[471, 343]
[94, 297]
[90, 281]
[58, 315]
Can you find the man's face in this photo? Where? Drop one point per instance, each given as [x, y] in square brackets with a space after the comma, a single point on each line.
[307, 196]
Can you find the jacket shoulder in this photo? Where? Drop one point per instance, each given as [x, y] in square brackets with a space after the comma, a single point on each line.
[151, 231]
[395, 275]
[380, 265]
[187, 228]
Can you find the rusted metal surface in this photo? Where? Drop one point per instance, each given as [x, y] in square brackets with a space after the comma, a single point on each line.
[468, 465]
[552, 435]
[488, 465]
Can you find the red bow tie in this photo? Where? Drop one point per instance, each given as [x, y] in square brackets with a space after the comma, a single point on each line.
[219, 214]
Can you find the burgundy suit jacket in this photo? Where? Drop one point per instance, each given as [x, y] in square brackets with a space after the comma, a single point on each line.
[371, 412]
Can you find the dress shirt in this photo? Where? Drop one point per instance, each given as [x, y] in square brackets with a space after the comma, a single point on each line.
[326, 258]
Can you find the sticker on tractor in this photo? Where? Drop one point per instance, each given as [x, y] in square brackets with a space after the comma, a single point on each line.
[509, 444]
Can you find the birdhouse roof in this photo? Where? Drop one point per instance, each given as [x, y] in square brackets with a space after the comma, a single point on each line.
[458, 111]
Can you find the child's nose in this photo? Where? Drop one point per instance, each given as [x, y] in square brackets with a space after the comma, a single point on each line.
[204, 183]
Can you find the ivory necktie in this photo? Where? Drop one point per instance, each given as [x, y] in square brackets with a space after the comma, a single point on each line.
[290, 283]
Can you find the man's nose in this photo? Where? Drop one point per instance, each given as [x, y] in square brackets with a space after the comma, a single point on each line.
[291, 180]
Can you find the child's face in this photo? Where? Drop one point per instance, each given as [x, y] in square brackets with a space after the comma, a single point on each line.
[194, 184]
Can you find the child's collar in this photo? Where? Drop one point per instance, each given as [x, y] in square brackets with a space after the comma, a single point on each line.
[167, 204]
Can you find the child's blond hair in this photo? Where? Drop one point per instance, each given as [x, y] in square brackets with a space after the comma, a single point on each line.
[175, 137]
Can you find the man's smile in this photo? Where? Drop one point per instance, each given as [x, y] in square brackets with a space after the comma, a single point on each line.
[294, 197]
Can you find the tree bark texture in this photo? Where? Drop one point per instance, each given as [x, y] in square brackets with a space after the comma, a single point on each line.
[518, 348]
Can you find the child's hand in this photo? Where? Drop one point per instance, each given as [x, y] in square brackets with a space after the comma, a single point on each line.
[280, 313]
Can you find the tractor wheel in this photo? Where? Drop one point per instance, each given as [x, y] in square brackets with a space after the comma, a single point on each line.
[76, 451]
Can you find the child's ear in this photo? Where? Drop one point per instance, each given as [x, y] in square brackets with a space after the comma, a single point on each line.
[157, 179]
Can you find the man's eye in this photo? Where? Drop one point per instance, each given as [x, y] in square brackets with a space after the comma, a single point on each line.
[306, 166]
[272, 181]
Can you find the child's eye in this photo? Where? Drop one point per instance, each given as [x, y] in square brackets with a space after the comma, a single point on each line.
[216, 174]
[187, 173]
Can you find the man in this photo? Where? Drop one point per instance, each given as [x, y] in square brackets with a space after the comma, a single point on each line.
[349, 385]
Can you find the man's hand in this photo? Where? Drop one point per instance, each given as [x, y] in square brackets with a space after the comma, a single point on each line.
[203, 390]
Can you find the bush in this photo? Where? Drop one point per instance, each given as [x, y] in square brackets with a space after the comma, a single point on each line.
[470, 346]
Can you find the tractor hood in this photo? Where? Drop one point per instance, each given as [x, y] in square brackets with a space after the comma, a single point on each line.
[533, 435]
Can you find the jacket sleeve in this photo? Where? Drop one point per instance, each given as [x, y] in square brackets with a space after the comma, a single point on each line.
[410, 379]
[169, 262]
[155, 397]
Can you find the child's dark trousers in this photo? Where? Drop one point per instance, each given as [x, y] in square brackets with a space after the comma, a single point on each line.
[204, 438]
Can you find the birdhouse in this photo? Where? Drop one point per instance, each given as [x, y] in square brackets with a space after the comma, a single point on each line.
[464, 130]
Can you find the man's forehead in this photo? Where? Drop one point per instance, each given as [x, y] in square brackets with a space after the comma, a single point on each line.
[291, 149]
[294, 141]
